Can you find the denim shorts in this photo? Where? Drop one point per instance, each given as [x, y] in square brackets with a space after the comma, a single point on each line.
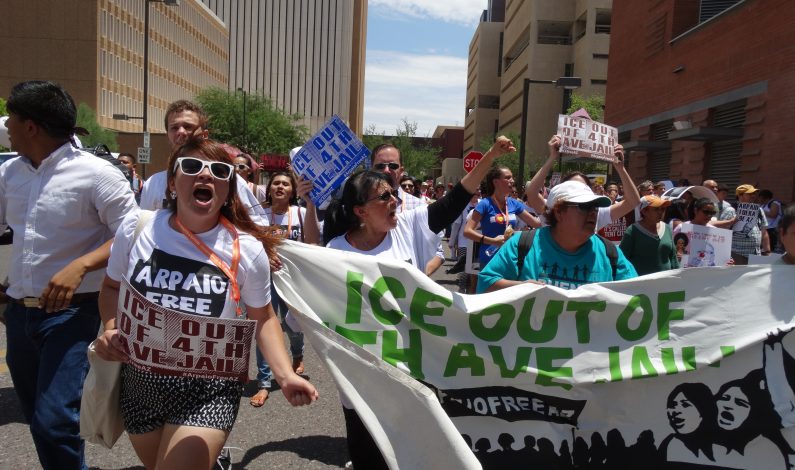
[150, 400]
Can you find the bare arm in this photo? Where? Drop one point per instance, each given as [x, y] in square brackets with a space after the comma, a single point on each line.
[270, 340]
[471, 181]
[534, 199]
[59, 291]
[530, 219]
[309, 227]
[108, 345]
[631, 195]
[474, 235]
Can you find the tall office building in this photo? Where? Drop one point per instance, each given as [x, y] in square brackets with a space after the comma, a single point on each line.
[95, 49]
[537, 40]
[307, 55]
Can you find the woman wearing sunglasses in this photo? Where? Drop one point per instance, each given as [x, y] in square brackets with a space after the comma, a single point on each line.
[293, 223]
[567, 253]
[366, 220]
[204, 232]
[248, 169]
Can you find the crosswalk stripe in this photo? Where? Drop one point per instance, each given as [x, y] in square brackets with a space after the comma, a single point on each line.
[3, 366]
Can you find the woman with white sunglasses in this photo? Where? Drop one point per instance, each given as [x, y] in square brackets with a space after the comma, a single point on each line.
[176, 421]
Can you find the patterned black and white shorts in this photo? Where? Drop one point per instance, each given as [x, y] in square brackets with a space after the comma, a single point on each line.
[149, 400]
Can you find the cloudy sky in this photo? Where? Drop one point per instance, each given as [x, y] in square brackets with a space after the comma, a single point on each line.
[417, 62]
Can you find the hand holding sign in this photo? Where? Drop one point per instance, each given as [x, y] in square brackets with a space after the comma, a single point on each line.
[298, 391]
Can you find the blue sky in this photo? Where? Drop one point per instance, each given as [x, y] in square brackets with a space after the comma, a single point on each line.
[416, 62]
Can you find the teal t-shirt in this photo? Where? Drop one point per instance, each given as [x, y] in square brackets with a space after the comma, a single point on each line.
[548, 262]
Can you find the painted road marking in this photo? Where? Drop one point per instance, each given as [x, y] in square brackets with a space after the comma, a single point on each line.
[3, 366]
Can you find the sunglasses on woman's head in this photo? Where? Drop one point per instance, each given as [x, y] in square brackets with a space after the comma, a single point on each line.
[192, 166]
[386, 196]
[382, 166]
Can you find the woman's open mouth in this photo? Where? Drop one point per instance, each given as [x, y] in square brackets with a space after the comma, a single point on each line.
[203, 195]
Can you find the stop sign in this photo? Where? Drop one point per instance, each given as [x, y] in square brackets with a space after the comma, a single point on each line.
[471, 159]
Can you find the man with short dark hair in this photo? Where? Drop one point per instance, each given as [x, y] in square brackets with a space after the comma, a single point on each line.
[64, 205]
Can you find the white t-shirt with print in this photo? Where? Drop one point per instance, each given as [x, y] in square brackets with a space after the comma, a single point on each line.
[405, 242]
[168, 269]
[289, 220]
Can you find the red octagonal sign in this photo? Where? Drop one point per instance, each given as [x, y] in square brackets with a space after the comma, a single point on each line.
[471, 160]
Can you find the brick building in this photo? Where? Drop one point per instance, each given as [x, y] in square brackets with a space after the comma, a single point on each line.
[705, 89]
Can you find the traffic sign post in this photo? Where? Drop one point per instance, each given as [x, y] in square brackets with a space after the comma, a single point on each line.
[143, 155]
[471, 160]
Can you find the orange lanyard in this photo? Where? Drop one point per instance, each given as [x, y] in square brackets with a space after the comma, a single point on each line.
[506, 221]
[230, 273]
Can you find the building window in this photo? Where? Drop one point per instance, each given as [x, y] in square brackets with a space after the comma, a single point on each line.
[598, 81]
[555, 33]
[603, 21]
[600, 56]
[711, 8]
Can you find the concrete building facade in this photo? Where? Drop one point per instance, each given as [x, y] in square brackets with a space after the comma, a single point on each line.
[702, 89]
[307, 55]
[95, 50]
[537, 40]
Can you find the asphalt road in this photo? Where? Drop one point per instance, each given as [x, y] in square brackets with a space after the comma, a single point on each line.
[276, 436]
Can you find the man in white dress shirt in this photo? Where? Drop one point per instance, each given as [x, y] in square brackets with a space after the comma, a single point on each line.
[64, 206]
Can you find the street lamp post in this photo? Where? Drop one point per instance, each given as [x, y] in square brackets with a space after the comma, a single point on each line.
[568, 83]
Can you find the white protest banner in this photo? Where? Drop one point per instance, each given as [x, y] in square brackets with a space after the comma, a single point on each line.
[328, 158]
[747, 217]
[687, 368]
[585, 138]
[703, 245]
[175, 343]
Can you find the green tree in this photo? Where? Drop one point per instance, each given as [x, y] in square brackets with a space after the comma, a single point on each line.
[268, 129]
[3, 112]
[418, 156]
[87, 119]
[594, 104]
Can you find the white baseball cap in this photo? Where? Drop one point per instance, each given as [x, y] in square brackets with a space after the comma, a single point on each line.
[576, 193]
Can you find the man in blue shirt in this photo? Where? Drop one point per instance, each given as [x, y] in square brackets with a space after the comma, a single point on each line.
[565, 254]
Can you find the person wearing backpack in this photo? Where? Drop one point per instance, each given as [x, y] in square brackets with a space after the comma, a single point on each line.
[566, 254]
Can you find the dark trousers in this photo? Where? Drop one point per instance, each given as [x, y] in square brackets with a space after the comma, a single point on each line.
[48, 364]
[362, 449]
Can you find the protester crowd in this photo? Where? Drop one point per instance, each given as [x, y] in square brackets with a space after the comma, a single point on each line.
[213, 215]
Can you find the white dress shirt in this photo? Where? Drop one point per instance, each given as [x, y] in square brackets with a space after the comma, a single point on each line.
[154, 192]
[67, 207]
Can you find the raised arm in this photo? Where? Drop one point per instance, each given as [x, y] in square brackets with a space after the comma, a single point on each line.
[310, 227]
[631, 195]
[534, 198]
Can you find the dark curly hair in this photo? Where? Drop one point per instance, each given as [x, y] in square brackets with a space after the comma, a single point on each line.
[340, 217]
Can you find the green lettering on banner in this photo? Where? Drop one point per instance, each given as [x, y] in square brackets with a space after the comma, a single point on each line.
[640, 360]
[411, 355]
[464, 356]
[643, 303]
[353, 284]
[522, 360]
[582, 309]
[725, 351]
[547, 372]
[665, 314]
[549, 324]
[383, 285]
[419, 309]
[669, 361]
[505, 315]
[357, 336]
[689, 357]
[615, 364]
